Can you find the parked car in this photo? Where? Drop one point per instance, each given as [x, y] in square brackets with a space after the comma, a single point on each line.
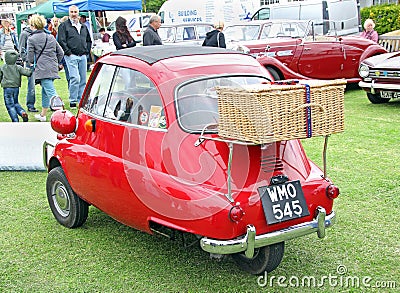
[144, 148]
[189, 33]
[381, 77]
[297, 48]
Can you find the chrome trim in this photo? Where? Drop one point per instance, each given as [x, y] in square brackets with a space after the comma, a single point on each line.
[46, 144]
[250, 240]
[381, 86]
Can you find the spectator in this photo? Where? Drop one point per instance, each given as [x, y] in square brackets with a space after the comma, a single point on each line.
[10, 78]
[8, 38]
[216, 37]
[150, 35]
[44, 54]
[53, 27]
[75, 40]
[64, 65]
[105, 37]
[23, 51]
[369, 32]
[122, 38]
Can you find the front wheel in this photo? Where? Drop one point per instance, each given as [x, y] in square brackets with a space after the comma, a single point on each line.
[68, 209]
[265, 258]
[376, 99]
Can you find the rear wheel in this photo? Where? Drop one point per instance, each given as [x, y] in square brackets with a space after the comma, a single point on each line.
[265, 258]
[274, 73]
[68, 209]
[376, 99]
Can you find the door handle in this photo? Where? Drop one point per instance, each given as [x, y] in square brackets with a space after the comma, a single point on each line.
[307, 49]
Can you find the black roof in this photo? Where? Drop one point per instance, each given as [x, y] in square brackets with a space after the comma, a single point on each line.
[153, 54]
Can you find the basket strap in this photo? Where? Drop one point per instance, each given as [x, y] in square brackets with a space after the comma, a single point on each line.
[308, 110]
[321, 109]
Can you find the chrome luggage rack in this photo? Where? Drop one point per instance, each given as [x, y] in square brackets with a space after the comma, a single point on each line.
[232, 142]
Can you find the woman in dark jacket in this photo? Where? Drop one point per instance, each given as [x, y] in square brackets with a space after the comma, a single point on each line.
[216, 37]
[122, 38]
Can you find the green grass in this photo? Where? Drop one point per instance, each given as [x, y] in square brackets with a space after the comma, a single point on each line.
[39, 255]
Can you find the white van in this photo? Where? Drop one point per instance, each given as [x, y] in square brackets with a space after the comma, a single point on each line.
[343, 14]
[207, 11]
[136, 24]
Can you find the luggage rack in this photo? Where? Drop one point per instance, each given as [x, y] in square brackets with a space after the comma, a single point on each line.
[232, 142]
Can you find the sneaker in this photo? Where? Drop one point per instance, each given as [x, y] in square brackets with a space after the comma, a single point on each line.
[72, 105]
[24, 117]
[40, 117]
[33, 109]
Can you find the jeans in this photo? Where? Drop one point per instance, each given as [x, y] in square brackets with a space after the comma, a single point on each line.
[77, 74]
[65, 70]
[48, 91]
[30, 95]
[11, 101]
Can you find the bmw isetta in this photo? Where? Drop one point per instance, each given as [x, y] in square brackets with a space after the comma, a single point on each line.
[145, 149]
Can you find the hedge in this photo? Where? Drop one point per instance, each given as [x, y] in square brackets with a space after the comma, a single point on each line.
[386, 17]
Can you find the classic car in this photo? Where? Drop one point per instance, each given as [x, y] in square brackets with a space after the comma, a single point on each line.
[300, 49]
[187, 34]
[144, 148]
[381, 77]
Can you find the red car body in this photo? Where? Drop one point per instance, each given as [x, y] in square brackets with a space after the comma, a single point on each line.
[172, 176]
[298, 51]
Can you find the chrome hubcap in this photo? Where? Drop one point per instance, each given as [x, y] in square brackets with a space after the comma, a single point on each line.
[61, 199]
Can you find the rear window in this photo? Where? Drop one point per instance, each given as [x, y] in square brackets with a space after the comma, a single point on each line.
[197, 101]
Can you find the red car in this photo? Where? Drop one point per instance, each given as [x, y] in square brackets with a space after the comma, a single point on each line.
[144, 149]
[300, 50]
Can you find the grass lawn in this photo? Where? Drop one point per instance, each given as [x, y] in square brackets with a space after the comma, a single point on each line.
[39, 255]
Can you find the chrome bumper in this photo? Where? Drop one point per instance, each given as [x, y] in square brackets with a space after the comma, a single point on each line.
[382, 86]
[250, 241]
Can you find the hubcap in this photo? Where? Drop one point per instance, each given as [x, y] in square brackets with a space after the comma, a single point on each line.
[61, 199]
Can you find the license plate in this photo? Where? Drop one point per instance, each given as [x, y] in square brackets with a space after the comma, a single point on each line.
[283, 202]
[390, 95]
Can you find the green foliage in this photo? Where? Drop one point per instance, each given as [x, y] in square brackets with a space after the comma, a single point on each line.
[386, 17]
[152, 5]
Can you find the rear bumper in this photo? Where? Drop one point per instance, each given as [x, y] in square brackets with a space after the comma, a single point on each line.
[250, 240]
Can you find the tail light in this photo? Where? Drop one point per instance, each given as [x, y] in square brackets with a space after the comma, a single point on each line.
[236, 213]
[138, 33]
[332, 191]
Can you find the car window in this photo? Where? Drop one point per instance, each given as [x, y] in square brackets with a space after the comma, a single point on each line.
[197, 101]
[99, 90]
[242, 32]
[202, 30]
[130, 97]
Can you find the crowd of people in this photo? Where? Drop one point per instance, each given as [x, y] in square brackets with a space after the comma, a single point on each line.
[47, 46]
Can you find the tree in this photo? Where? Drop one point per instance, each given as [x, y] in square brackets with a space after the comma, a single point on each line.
[152, 5]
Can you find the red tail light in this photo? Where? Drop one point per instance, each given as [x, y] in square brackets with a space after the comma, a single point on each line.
[332, 191]
[138, 33]
[236, 213]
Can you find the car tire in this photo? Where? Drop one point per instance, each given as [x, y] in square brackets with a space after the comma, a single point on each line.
[265, 258]
[376, 99]
[274, 73]
[68, 209]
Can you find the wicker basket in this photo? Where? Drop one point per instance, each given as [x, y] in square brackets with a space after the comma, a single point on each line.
[268, 113]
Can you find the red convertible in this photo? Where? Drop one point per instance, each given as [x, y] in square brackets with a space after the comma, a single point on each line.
[298, 49]
[144, 148]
